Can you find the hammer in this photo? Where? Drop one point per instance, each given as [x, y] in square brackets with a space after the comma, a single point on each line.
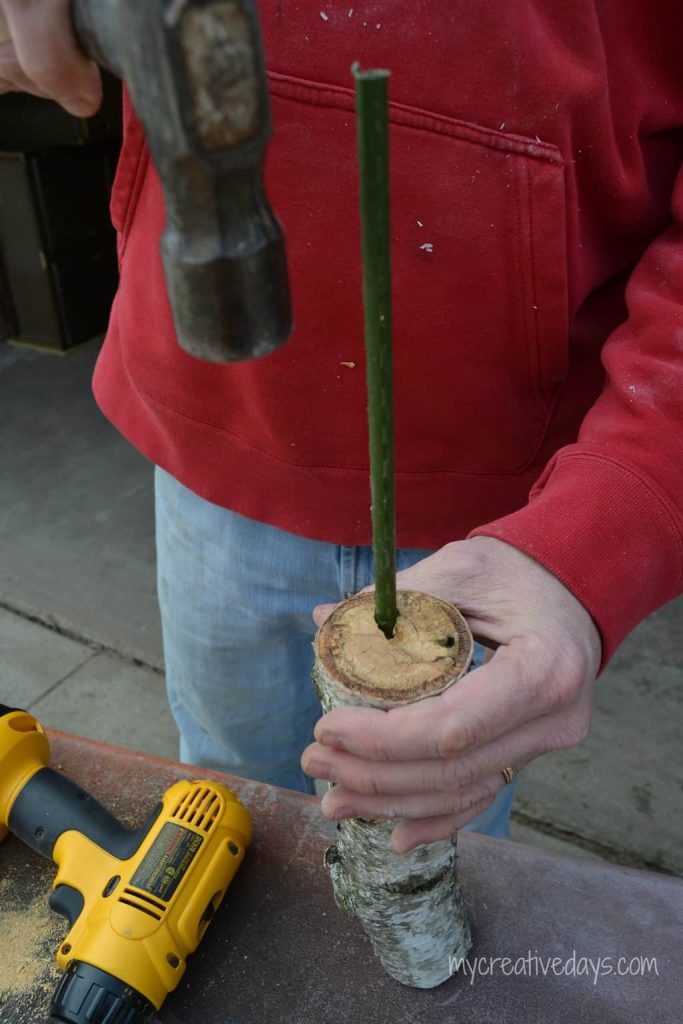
[195, 73]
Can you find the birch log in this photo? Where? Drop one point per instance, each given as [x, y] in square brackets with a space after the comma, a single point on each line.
[411, 906]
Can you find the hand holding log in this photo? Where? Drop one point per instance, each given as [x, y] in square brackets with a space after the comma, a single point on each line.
[435, 765]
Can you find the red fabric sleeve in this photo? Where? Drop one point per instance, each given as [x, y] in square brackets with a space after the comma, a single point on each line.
[606, 516]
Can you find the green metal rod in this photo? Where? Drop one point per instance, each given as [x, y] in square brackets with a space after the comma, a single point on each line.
[373, 157]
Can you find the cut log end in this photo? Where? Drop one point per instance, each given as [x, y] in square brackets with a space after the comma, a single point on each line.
[430, 649]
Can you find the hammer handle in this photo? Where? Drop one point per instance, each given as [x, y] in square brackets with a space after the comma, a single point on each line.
[94, 23]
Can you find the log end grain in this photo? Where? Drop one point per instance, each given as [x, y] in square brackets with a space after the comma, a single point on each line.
[430, 649]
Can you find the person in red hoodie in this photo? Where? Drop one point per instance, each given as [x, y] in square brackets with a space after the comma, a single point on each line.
[538, 275]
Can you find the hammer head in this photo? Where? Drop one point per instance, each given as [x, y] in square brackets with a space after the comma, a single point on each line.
[195, 73]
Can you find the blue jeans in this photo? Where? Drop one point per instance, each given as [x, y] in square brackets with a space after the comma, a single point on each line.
[236, 598]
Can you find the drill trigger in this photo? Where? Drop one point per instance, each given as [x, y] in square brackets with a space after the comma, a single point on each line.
[68, 902]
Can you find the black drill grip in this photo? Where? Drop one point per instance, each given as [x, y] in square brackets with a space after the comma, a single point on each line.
[50, 804]
[68, 902]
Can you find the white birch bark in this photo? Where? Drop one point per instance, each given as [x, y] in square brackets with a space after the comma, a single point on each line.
[411, 906]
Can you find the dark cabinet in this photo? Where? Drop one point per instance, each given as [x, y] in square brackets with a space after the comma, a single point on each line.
[58, 269]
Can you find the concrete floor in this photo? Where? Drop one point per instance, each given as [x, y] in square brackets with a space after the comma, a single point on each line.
[80, 639]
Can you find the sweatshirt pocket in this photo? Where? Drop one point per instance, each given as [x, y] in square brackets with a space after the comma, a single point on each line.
[479, 272]
[130, 172]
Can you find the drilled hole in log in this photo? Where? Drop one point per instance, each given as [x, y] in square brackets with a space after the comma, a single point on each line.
[331, 856]
[431, 648]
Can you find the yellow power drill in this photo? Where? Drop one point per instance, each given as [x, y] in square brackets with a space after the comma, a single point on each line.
[138, 902]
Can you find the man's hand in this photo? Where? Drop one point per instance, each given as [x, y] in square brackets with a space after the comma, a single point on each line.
[437, 764]
[39, 54]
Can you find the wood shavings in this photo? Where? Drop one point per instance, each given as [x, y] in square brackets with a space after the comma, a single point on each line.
[29, 938]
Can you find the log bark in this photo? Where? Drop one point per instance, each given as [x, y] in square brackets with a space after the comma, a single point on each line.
[411, 906]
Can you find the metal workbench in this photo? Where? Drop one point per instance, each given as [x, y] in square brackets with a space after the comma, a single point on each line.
[279, 951]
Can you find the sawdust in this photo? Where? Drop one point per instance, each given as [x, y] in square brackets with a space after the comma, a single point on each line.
[29, 938]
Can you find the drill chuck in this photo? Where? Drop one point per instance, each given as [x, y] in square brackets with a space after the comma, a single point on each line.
[86, 995]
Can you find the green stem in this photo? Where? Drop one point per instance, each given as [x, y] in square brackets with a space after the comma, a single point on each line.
[373, 158]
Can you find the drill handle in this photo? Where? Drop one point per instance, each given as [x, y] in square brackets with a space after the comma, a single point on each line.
[50, 804]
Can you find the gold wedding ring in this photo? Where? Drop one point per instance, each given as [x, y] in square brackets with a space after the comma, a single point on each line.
[509, 774]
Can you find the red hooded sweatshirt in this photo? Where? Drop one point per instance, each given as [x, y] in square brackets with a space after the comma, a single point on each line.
[538, 293]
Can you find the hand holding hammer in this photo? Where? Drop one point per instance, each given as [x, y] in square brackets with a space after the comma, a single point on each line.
[195, 73]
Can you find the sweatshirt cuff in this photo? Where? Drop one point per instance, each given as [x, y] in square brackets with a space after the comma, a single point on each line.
[607, 532]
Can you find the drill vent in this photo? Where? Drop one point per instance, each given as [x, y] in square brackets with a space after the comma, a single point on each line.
[200, 808]
[142, 901]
